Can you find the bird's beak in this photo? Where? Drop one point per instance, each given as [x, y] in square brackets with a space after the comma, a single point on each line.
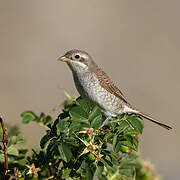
[64, 59]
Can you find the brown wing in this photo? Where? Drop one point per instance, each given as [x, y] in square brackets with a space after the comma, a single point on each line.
[107, 84]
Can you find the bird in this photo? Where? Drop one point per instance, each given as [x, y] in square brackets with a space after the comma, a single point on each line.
[96, 86]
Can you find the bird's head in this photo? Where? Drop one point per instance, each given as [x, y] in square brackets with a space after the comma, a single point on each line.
[78, 61]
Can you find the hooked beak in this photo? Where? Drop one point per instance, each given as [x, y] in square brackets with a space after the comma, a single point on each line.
[64, 59]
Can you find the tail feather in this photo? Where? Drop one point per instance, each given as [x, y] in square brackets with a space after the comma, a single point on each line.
[154, 120]
[129, 108]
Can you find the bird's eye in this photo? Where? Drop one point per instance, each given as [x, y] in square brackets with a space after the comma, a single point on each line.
[77, 56]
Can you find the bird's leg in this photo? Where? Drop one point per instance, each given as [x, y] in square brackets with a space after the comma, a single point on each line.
[108, 115]
[105, 121]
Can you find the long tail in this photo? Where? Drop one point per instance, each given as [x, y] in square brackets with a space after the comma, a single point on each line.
[154, 120]
[129, 108]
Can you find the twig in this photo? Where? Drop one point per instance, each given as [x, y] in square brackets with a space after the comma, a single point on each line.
[5, 150]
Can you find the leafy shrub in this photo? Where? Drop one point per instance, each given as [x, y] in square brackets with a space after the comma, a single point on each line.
[76, 147]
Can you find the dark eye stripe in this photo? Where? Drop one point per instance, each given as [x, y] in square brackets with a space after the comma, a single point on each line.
[83, 61]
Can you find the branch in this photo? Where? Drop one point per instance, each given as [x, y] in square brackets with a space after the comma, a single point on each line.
[5, 149]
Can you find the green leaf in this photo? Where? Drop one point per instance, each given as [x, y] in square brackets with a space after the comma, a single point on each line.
[117, 148]
[62, 126]
[131, 132]
[122, 126]
[113, 125]
[82, 168]
[12, 140]
[28, 116]
[108, 162]
[65, 173]
[20, 138]
[115, 141]
[84, 105]
[15, 139]
[121, 116]
[47, 119]
[12, 150]
[129, 144]
[74, 127]
[51, 146]
[96, 122]
[41, 117]
[128, 165]
[95, 112]
[89, 175]
[71, 141]
[44, 140]
[136, 122]
[65, 152]
[135, 142]
[124, 149]
[2, 157]
[99, 171]
[126, 172]
[78, 114]
[108, 136]
[22, 152]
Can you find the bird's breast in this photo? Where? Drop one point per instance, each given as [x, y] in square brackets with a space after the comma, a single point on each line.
[89, 87]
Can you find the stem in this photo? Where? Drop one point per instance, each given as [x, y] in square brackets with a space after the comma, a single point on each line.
[42, 125]
[5, 149]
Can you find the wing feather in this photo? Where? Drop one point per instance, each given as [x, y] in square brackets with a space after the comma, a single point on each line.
[107, 84]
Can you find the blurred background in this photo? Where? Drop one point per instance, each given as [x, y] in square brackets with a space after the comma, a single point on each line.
[136, 42]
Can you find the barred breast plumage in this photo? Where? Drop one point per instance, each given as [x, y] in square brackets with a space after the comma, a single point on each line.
[89, 87]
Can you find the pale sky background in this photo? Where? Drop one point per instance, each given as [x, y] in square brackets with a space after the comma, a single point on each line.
[136, 42]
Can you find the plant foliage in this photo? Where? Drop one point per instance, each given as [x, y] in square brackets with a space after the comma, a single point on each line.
[76, 147]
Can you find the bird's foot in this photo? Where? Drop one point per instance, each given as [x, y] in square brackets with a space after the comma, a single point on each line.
[105, 121]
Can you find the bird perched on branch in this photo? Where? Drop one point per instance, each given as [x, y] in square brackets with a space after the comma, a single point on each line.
[95, 85]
